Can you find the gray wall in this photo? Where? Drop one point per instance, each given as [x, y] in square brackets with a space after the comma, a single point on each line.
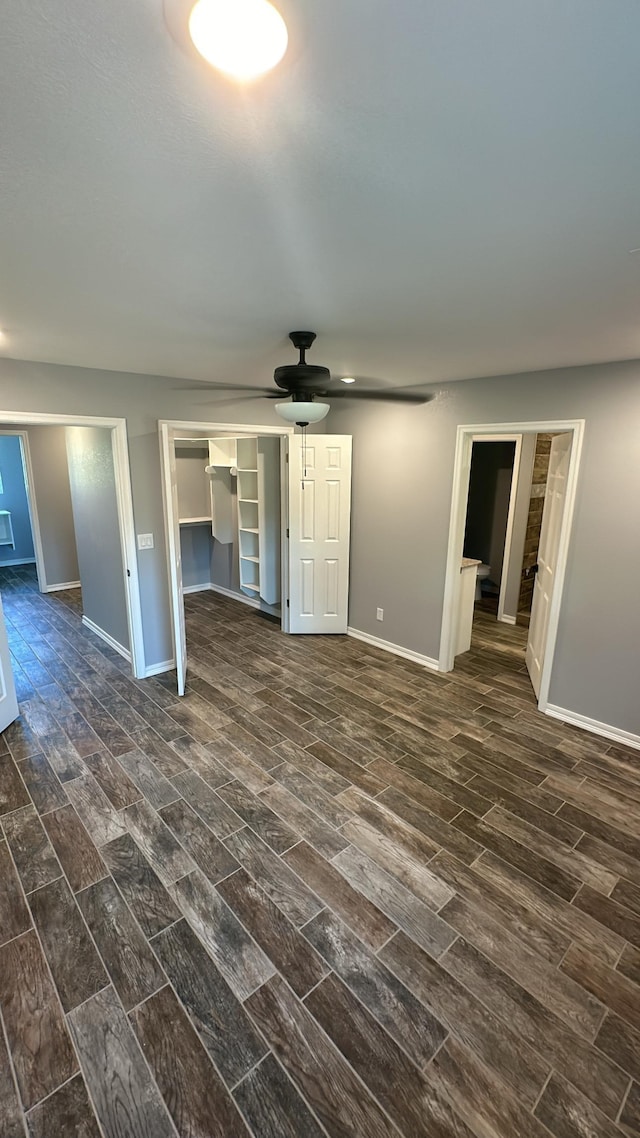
[403, 472]
[14, 498]
[48, 450]
[513, 569]
[403, 477]
[95, 514]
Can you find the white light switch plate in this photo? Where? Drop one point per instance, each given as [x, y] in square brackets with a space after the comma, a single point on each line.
[145, 541]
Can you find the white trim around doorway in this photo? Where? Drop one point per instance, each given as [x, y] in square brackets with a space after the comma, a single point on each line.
[118, 428]
[461, 471]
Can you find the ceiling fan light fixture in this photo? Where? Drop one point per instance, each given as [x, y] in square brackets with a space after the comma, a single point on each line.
[301, 412]
[348, 379]
[243, 38]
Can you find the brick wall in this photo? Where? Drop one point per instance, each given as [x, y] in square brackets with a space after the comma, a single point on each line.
[534, 518]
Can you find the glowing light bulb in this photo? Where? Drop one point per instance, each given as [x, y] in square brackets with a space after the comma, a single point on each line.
[243, 38]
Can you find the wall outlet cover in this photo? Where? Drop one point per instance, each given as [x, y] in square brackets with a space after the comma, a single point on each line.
[379, 614]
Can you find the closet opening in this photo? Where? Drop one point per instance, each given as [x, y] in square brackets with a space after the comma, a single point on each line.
[225, 508]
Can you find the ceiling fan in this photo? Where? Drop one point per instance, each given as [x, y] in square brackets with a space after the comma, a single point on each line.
[306, 382]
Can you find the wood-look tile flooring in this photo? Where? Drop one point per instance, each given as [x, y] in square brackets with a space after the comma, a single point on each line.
[327, 893]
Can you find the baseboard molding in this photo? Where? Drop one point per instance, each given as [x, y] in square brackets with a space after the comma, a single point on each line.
[88, 623]
[235, 596]
[396, 649]
[63, 585]
[225, 593]
[156, 669]
[504, 619]
[18, 561]
[616, 734]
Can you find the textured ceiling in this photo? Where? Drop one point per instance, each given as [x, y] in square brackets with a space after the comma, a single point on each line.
[441, 188]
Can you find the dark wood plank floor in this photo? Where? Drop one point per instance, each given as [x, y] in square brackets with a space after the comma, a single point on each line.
[327, 893]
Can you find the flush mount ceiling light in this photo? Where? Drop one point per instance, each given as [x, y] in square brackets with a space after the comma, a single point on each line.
[301, 412]
[348, 379]
[243, 38]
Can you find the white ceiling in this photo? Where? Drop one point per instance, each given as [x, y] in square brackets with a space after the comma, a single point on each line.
[441, 188]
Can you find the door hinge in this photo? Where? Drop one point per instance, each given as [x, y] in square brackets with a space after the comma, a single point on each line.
[286, 457]
[287, 602]
[128, 572]
[287, 531]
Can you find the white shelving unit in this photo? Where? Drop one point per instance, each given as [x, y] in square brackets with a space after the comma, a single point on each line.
[237, 493]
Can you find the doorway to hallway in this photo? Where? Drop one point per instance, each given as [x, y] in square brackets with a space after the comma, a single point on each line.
[564, 458]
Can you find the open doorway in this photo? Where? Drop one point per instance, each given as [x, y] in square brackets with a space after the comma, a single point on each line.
[503, 484]
[77, 513]
[17, 544]
[274, 514]
[225, 518]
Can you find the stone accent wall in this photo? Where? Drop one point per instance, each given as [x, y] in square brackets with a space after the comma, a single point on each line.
[534, 519]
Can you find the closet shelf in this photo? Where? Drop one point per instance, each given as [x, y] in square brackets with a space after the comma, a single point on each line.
[248, 529]
[254, 501]
[252, 588]
[204, 520]
[249, 557]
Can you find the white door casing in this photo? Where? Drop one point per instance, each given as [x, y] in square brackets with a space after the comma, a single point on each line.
[174, 551]
[319, 532]
[8, 701]
[554, 503]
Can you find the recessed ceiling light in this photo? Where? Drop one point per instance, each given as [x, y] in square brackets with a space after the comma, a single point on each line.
[243, 38]
[348, 379]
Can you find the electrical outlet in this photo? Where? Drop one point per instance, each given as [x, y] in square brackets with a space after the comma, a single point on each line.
[145, 541]
[379, 614]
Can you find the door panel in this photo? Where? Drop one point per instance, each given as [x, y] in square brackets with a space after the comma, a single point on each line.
[553, 510]
[170, 489]
[8, 702]
[319, 525]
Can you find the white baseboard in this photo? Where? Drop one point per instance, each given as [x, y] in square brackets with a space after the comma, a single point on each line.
[235, 596]
[225, 593]
[156, 669]
[63, 585]
[396, 649]
[504, 619]
[18, 561]
[107, 639]
[616, 734]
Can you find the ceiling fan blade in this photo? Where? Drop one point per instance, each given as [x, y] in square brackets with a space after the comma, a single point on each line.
[225, 387]
[389, 396]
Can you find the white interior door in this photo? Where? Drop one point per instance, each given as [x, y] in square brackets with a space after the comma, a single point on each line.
[8, 700]
[174, 554]
[553, 510]
[319, 524]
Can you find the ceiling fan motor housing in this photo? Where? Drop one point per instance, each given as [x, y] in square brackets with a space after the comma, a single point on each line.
[303, 380]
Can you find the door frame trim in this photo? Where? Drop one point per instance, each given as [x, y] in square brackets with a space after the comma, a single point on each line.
[461, 470]
[166, 432]
[124, 501]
